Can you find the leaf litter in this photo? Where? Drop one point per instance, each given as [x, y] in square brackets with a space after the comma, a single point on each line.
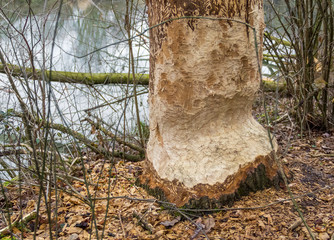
[310, 160]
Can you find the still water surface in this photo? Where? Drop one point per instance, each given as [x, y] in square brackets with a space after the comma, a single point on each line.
[83, 26]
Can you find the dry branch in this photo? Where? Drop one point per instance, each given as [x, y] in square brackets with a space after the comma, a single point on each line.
[142, 222]
[110, 134]
[78, 136]
[12, 152]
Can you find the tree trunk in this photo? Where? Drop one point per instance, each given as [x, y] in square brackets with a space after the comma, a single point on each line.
[204, 143]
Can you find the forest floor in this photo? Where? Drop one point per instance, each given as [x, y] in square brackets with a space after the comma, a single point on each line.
[133, 214]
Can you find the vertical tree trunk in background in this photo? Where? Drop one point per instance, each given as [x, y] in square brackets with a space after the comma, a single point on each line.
[204, 143]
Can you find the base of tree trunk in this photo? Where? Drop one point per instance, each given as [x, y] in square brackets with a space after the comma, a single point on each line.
[258, 175]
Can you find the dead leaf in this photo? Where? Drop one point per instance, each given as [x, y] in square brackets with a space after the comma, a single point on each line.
[42, 227]
[74, 230]
[209, 223]
[320, 83]
[251, 217]
[171, 236]
[74, 201]
[261, 224]
[327, 198]
[320, 229]
[324, 236]
[160, 233]
[171, 223]
[269, 219]
[74, 236]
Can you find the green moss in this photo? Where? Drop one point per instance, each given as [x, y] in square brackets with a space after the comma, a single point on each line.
[8, 238]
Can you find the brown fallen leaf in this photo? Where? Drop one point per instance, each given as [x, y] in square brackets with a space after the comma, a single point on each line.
[324, 236]
[160, 233]
[251, 217]
[209, 224]
[72, 230]
[171, 236]
[261, 224]
[269, 219]
[73, 236]
[171, 223]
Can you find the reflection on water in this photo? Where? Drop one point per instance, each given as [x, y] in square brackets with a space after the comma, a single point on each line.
[83, 26]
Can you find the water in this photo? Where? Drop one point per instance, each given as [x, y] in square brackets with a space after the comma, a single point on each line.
[83, 27]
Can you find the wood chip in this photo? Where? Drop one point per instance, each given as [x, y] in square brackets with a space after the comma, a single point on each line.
[296, 224]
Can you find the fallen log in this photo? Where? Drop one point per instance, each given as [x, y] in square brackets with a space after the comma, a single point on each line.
[77, 77]
[103, 78]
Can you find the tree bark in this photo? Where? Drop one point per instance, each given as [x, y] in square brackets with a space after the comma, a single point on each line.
[205, 148]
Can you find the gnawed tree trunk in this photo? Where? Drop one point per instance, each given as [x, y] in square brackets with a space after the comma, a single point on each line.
[205, 148]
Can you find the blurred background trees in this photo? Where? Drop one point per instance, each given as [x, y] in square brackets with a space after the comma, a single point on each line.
[299, 44]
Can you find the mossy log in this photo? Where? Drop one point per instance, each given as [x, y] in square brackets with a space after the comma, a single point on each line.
[106, 78]
[271, 86]
[79, 78]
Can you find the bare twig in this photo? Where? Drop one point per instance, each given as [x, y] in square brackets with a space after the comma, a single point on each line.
[120, 219]
[142, 222]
